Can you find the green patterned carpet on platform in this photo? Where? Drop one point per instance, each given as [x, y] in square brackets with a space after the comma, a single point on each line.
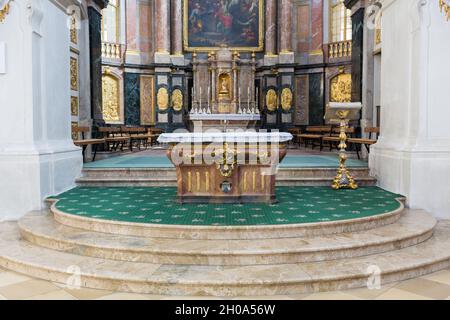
[158, 205]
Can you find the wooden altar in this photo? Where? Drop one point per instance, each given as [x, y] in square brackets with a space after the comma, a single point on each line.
[226, 167]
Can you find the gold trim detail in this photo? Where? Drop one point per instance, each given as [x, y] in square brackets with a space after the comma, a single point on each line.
[445, 8]
[271, 100]
[4, 12]
[74, 106]
[286, 99]
[177, 100]
[110, 98]
[186, 46]
[162, 99]
[73, 74]
[341, 88]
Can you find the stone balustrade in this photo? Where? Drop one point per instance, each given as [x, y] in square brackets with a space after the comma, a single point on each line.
[111, 50]
[341, 49]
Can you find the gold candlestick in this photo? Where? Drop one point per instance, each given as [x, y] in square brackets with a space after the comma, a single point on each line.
[343, 179]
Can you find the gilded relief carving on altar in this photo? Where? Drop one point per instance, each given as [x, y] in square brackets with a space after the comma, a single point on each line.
[224, 86]
[74, 106]
[162, 99]
[341, 88]
[111, 98]
[272, 100]
[177, 100]
[147, 100]
[286, 99]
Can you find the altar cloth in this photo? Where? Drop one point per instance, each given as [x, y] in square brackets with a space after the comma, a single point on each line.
[230, 137]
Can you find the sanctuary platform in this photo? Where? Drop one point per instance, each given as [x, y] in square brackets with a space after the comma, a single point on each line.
[140, 240]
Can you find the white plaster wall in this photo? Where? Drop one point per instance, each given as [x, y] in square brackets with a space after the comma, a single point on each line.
[413, 154]
[37, 155]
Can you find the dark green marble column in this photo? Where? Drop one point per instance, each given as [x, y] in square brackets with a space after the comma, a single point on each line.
[357, 54]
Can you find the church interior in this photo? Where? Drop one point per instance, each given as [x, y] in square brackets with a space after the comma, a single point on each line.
[166, 149]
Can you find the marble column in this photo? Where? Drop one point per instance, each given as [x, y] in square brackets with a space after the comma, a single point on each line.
[271, 27]
[162, 26]
[286, 26]
[177, 27]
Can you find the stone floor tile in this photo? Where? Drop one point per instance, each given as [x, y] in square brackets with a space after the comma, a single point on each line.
[264, 298]
[86, 293]
[8, 278]
[125, 296]
[337, 295]
[426, 288]
[366, 294]
[53, 295]
[27, 289]
[397, 294]
[440, 276]
[191, 298]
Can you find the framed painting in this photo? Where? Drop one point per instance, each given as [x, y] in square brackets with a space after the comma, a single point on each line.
[213, 24]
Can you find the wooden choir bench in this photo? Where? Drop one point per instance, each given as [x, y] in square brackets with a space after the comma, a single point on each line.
[84, 143]
[358, 142]
[113, 138]
[313, 135]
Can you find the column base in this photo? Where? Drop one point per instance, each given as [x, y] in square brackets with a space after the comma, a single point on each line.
[286, 57]
[421, 174]
[162, 57]
[31, 174]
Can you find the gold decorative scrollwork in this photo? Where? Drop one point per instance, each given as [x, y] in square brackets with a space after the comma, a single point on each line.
[177, 100]
[74, 106]
[111, 98]
[74, 74]
[147, 100]
[73, 30]
[4, 11]
[272, 100]
[286, 99]
[445, 7]
[341, 88]
[162, 99]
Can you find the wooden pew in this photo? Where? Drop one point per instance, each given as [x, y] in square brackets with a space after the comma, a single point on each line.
[333, 139]
[295, 132]
[358, 142]
[313, 134]
[137, 135]
[84, 143]
[113, 137]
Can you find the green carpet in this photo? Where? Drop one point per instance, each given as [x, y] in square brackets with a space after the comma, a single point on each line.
[161, 161]
[157, 205]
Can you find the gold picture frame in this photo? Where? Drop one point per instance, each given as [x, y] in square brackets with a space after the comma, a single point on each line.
[188, 48]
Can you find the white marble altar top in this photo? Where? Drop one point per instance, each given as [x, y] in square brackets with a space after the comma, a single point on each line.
[229, 116]
[243, 137]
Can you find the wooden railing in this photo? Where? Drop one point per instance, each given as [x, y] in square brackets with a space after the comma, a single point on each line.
[111, 50]
[342, 49]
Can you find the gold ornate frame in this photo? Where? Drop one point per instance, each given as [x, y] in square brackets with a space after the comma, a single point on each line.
[186, 46]
[445, 8]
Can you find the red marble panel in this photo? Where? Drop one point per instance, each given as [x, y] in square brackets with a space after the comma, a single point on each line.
[131, 25]
[317, 24]
[303, 28]
[145, 27]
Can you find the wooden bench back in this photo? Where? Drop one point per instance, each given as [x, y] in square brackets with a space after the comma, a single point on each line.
[294, 131]
[77, 131]
[318, 129]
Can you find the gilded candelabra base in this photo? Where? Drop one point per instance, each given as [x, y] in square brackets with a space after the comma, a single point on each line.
[343, 179]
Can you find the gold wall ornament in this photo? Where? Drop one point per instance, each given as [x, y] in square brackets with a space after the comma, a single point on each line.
[286, 99]
[74, 106]
[162, 99]
[111, 98]
[4, 11]
[177, 100]
[445, 8]
[341, 88]
[73, 30]
[272, 100]
[73, 74]
[147, 100]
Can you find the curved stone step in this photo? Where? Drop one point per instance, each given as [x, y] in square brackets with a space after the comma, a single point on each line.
[191, 232]
[41, 229]
[24, 257]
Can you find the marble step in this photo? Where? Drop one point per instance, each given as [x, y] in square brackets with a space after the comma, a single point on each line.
[191, 232]
[167, 177]
[41, 229]
[282, 279]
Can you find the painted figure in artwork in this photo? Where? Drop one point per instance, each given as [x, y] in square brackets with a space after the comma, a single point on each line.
[218, 23]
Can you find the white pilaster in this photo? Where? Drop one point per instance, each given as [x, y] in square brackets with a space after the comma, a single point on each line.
[412, 156]
[37, 155]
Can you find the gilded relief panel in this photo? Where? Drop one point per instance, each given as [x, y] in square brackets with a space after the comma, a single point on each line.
[147, 100]
[111, 98]
[341, 88]
[73, 74]
[74, 106]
